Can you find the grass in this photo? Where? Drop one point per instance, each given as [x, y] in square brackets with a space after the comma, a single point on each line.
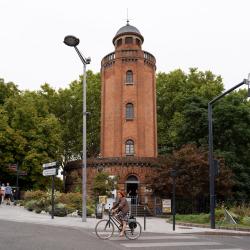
[204, 219]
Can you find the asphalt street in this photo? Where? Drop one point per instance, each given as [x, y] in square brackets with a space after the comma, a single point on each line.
[25, 236]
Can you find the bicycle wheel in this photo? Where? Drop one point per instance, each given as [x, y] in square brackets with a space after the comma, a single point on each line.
[104, 229]
[134, 231]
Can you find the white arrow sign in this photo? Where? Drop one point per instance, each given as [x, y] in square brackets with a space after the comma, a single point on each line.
[50, 171]
[51, 164]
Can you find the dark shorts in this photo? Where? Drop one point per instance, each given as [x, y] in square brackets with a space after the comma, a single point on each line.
[7, 196]
[122, 216]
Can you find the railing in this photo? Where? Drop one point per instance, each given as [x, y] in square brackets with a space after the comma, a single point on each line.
[149, 57]
[108, 59]
[128, 54]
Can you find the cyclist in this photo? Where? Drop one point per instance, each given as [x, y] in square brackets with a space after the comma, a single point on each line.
[122, 209]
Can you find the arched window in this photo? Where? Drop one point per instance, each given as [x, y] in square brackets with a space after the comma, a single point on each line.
[129, 111]
[129, 147]
[129, 76]
[119, 42]
[128, 40]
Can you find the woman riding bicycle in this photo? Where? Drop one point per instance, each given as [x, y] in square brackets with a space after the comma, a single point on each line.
[122, 209]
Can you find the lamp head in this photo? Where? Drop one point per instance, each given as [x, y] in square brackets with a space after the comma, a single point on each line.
[88, 60]
[71, 41]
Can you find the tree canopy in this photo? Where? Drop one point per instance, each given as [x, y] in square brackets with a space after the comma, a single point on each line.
[45, 125]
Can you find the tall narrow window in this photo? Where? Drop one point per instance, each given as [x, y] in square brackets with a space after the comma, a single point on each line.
[129, 147]
[119, 42]
[129, 111]
[129, 77]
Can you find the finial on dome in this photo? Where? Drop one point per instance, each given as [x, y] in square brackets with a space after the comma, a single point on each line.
[127, 17]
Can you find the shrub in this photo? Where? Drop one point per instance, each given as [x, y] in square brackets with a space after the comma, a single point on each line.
[90, 211]
[30, 205]
[59, 211]
[38, 210]
[34, 195]
[243, 210]
[246, 221]
[72, 200]
[219, 214]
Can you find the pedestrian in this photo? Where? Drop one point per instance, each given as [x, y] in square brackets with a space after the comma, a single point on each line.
[122, 209]
[2, 192]
[8, 193]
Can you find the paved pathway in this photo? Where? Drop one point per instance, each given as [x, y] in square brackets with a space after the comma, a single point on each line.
[156, 225]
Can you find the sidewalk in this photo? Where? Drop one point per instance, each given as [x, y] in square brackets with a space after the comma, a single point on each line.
[155, 225]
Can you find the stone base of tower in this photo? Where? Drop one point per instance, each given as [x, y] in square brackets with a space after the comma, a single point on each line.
[133, 175]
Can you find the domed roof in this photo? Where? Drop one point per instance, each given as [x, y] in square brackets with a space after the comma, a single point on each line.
[128, 29]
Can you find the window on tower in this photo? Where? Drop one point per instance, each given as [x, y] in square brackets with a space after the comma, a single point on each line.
[129, 77]
[119, 42]
[129, 147]
[129, 111]
[128, 40]
[138, 42]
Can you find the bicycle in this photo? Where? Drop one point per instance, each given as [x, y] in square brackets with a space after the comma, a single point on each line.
[105, 228]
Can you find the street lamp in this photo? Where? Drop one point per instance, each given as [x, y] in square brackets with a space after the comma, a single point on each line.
[210, 139]
[72, 41]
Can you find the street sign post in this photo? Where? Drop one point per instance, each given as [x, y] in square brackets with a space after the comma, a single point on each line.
[51, 169]
[49, 165]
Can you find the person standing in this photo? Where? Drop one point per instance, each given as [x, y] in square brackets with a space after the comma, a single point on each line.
[8, 193]
[2, 192]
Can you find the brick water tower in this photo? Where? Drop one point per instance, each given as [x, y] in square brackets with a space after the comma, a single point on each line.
[128, 119]
[128, 115]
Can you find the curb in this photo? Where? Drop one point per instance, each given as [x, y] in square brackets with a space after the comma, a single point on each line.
[226, 230]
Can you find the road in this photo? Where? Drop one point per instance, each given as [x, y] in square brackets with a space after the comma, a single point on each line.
[24, 236]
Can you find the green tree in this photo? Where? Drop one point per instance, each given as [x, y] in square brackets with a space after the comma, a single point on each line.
[103, 184]
[34, 136]
[177, 95]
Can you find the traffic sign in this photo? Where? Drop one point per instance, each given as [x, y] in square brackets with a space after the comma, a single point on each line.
[50, 171]
[49, 165]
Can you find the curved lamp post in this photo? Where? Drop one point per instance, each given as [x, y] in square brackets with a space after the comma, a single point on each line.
[72, 41]
[212, 162]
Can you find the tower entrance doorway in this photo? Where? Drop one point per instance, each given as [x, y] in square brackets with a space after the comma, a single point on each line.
[132, 185]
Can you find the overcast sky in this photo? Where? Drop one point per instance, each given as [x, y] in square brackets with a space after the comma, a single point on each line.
[208, 34]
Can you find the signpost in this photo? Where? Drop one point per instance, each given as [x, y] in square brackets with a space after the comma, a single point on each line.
[51, 169]
[166, 206]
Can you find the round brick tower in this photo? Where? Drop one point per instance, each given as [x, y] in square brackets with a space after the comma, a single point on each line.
[128, 121]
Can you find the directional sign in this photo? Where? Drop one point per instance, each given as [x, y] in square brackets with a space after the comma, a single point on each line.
[49, 165]
[50, 171]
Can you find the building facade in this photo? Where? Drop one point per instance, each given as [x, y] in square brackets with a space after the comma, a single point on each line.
[128, 117]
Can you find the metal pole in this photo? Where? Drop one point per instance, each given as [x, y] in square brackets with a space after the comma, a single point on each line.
[211, 168]
[52, 198]
[84, 161]
[17, 181]
[174, 203]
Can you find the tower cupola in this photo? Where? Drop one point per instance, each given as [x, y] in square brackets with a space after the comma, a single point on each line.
[128, 35]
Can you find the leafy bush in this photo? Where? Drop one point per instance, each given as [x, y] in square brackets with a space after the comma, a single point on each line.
[90, 211]
[242, 211]
[71, 200]
[219, 214]
[246, 221]
[60, 210]
[38, 210]
[34, 195]
[30, 205]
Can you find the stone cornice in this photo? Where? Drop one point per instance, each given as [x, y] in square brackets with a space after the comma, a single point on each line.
[115, 161]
